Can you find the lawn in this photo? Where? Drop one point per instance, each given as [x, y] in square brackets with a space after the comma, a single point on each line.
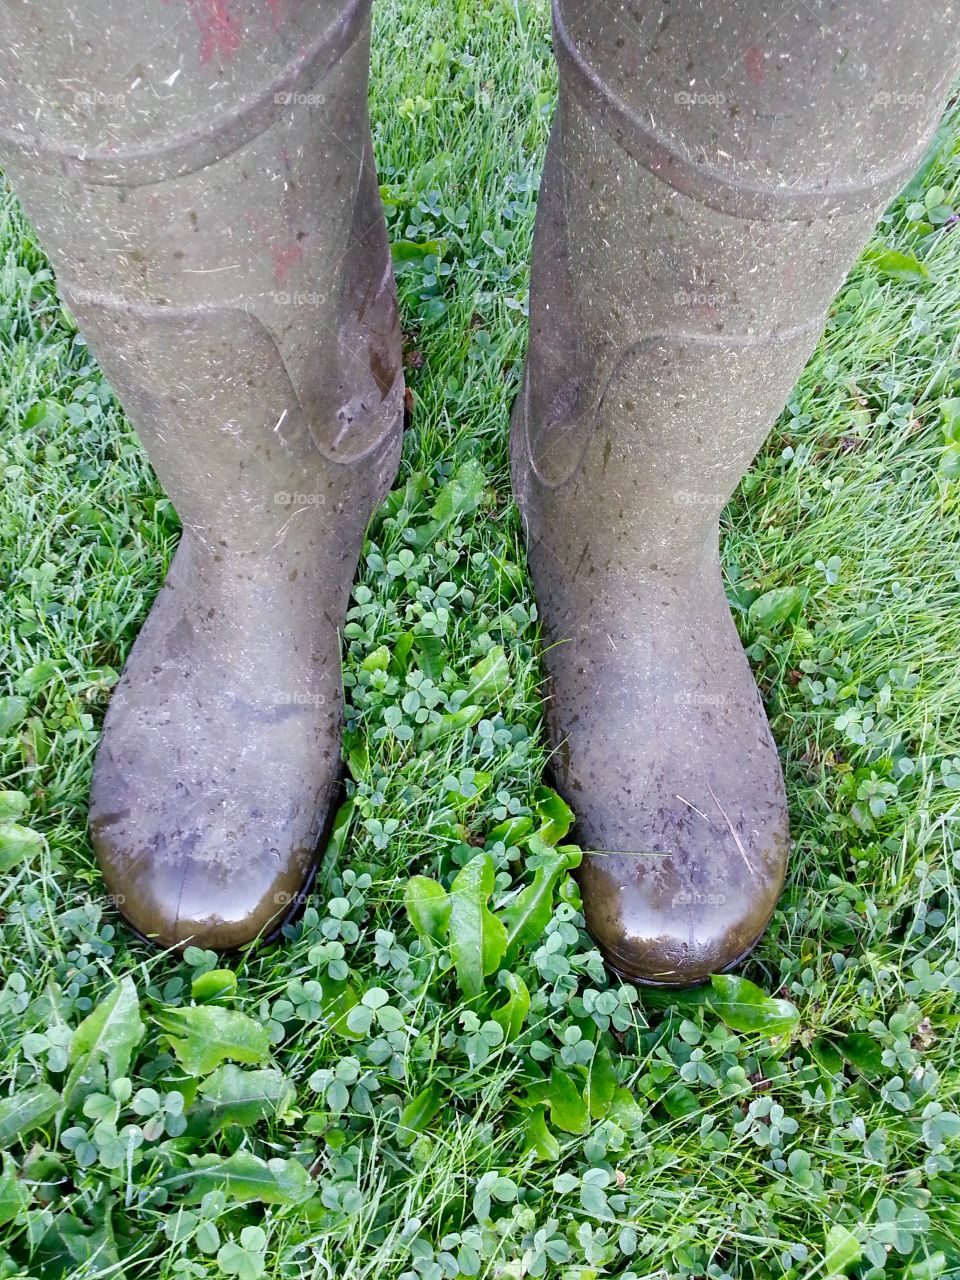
[358, 1101]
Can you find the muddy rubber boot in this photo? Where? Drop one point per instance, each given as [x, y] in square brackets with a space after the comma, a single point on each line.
[712, 173]
[202, 178]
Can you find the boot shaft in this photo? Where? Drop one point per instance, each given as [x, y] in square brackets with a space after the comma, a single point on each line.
[156, 91]
[713, 173]
[204, 184]
[761, 111]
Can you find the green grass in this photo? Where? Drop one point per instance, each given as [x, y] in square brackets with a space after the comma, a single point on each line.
[823, 1141]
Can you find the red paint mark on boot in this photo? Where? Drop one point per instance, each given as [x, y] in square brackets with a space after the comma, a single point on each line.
[286, 254]
[754, 60]
[220, 32]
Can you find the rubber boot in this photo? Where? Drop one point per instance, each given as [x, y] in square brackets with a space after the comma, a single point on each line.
[202, 178]
[712, 173]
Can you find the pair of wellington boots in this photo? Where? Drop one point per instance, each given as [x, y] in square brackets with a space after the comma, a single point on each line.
[202, 177]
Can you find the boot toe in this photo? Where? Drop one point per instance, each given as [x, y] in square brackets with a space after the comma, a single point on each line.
[206, 808]
[667, 759]
[654, 934]
[218, 873]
